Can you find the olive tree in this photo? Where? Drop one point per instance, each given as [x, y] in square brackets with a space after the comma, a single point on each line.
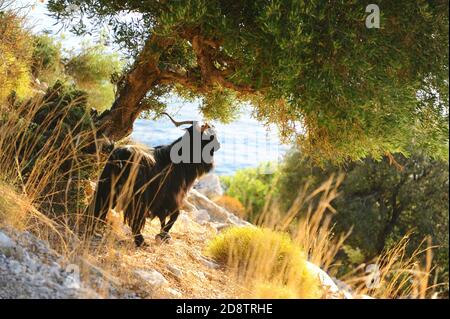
[343, 89]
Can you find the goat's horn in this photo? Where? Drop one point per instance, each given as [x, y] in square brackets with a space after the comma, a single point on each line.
[177, 123]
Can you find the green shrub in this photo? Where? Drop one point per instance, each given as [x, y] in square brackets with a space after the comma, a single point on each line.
[92, 70]
[47, 61]
[251, 187]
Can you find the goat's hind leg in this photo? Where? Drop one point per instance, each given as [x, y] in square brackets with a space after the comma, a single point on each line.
[165, 228]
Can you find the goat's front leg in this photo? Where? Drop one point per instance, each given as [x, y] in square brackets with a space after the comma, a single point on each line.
[137, 224]
[165, 228]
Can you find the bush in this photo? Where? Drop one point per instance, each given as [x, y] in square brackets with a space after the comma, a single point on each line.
[251, 187]
[47, 61]
[92, 70]
[49, 142]
[264, 257]
[15, 57]
[231, 204]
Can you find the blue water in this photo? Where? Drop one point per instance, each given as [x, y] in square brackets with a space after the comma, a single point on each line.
[244, 143]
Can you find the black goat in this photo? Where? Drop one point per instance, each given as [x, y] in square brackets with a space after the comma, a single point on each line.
[153, 182]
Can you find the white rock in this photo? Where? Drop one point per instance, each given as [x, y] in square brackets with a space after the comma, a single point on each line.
[201, 216]
[217, 213]
[5, 241]
[184, 220]
[208, 263]
[188, 207]
[209, 185]
[152, 277]
[175, 271]
[327, 283]
[172, 293]
[201, 275]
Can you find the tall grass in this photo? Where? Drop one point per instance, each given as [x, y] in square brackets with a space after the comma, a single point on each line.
[49, 173]
[309, 223]
[46, 162]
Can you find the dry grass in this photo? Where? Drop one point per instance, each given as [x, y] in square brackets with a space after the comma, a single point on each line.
[261, 258]
[53, 186]
[395, 274]
[49, 174]
[309, 223]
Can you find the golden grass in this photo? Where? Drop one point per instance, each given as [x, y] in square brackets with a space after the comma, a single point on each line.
[263, 258]
[254, 267]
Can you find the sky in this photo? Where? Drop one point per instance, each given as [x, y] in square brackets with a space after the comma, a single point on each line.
[38, 20]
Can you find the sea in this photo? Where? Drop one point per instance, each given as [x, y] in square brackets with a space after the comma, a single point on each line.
[244, 143]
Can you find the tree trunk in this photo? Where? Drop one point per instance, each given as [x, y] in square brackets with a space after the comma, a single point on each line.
[117, 123]
[389, 227]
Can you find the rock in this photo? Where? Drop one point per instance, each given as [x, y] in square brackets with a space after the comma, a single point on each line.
[221, 226]
[209, 185]
[188, 207]
[217, 214]
[184, 220]
[201, 216]
[208, 263]
[152, 277]
[329, 286]
[32, 270]
[172, 293]
[5, 241]
[9, 248]
[175, 271]
[342, 286]
[200, 274]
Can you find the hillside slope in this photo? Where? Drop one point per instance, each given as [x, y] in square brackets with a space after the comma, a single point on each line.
[114, 268]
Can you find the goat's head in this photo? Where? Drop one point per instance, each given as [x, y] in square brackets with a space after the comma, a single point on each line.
[197, 145]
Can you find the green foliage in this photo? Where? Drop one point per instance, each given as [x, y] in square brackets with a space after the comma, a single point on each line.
[355, 256]
[15, 57]
[58, 123]
[92, 70]
[343, 91]
[220, 105]
[251, 187]
[62, 113]
[47, 61]
[381, 201]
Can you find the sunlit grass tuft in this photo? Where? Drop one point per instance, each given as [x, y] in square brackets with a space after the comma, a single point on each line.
[266, 257]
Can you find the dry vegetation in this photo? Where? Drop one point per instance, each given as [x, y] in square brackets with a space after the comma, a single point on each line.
[232, 205]
[39, 198]
[45, 185]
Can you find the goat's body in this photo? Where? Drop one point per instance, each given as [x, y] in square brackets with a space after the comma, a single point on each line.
[144, 183]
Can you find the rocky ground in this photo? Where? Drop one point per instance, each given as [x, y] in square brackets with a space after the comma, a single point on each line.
[178, 269]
